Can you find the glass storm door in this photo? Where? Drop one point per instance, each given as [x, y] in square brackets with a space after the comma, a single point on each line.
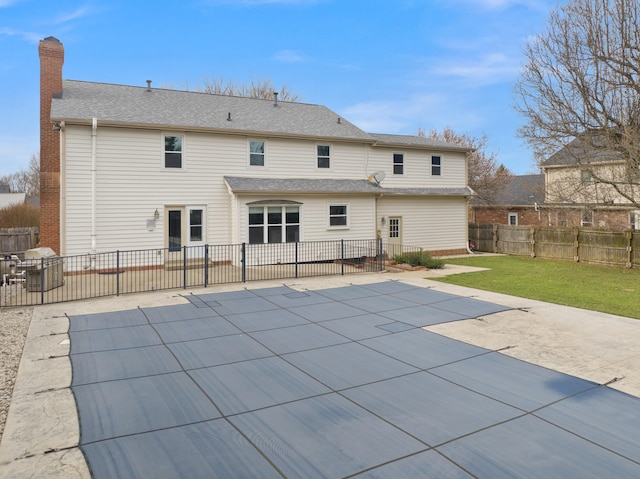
[175, 229]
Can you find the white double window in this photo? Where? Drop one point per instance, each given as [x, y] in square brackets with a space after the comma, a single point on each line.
[274, 224]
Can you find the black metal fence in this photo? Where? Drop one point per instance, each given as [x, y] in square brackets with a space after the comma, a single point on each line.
[58, 279]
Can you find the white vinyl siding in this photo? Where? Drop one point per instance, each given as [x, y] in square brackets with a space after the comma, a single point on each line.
[130, 187]
[430, 223]
[417, 168]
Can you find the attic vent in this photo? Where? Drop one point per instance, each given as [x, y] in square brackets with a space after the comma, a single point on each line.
[339, 121]
[149, 85]
[229, 117]
[275, 96]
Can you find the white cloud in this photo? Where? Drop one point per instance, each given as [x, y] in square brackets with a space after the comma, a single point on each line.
[7, 3]
[75, 14]
[392, 116]
[263, 2]
[290, 56]
[31, 37]
[488, 69]
[503, 4]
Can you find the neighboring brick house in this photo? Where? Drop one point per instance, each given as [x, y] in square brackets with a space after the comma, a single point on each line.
[128, 167]
[519, 202]
[565, 195]
[574, 196]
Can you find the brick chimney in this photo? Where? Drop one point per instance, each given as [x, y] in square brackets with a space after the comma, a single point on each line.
[51, 54]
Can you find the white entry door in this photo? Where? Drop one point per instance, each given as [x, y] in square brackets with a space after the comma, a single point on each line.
[186, 226]
[395, 235]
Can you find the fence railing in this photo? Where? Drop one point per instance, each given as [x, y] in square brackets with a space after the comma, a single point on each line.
[58, 279]
[613, 248]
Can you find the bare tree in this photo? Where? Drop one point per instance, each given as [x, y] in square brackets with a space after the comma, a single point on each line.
[580, 95]
[486, 175]
[26, 180]
[255, 89]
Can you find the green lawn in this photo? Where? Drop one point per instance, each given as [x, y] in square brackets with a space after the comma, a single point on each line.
[598, 288]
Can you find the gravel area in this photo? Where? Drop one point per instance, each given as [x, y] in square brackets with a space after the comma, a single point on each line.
[14, 325]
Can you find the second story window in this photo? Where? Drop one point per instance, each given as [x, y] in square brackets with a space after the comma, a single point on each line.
[324, 156]
[256, 153]
[398, 163]
[436, 166]
[172, 151]
[587, 178]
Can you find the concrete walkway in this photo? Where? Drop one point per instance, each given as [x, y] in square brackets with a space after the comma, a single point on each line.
[42, 431]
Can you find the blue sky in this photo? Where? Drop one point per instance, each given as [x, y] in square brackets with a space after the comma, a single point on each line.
[389, 66]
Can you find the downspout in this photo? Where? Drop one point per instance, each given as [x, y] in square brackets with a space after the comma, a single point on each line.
[94, 135]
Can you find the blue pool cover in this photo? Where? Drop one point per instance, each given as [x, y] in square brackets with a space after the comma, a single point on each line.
[274, 383]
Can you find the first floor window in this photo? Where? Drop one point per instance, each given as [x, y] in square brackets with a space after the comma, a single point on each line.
[256, 153]
[338, 215]
[172, 151]
[634, 220]
[324, 156]
[513, 219]
[436, 166]
[586, 218]
[274, 224]
[398, 164]
[196, 223]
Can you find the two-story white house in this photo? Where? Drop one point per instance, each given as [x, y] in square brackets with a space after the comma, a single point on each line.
[137, 167]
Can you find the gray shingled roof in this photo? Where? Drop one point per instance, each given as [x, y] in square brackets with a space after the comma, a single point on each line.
[305, 185]
[128, 105]
[582, 151]
[416, 141]
[123, 105]
[522, 190]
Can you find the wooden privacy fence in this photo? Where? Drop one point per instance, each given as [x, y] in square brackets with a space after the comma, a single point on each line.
[614, 248]
[18, 240]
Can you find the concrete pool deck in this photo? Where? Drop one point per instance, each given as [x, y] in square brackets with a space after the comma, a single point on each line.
[42, 433]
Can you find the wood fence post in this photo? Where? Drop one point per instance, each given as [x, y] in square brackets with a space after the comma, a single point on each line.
[533, 241]
[576, 244]
[495, 238]
[629, 235]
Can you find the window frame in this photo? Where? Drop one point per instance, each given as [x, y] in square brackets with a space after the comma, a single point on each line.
[165, 151]
[586, 177]
[266, 225]
[511, 215]
[327, 157]
[346, 215]
[436, 168]
[202, 226]
[586, 218]
[249, 153]
[395, 163]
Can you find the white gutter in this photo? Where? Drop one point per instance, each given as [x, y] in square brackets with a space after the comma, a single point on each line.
[94, 134]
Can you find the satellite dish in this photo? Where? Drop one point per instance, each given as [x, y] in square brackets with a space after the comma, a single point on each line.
[378, 176]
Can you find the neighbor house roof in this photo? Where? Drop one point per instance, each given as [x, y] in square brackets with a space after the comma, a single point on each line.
[522, 190]
[129, 105]
[325, 186]
[582, 150]
[9, 199]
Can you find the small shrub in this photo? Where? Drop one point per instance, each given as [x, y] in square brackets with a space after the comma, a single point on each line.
[419, 259]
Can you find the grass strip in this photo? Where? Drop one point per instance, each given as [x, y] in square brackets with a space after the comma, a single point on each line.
[597, 288]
